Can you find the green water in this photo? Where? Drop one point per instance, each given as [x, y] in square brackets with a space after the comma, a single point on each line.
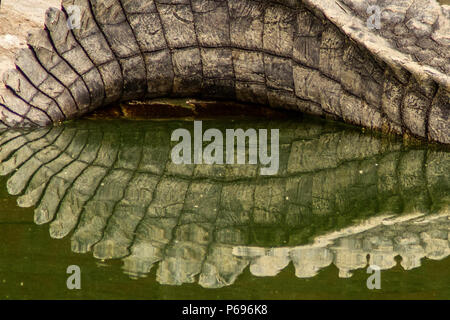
[105, 196]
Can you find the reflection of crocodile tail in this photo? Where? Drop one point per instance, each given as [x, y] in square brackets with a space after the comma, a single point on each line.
[120, 194]
[377, 242]
[317, 56]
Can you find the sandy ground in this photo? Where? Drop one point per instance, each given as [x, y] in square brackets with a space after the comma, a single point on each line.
[17, 19]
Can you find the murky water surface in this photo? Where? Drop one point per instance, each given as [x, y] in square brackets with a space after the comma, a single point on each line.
[105, 196]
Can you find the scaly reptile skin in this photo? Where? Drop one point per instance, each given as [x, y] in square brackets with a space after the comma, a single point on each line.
[114, 190]
[315, 56]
